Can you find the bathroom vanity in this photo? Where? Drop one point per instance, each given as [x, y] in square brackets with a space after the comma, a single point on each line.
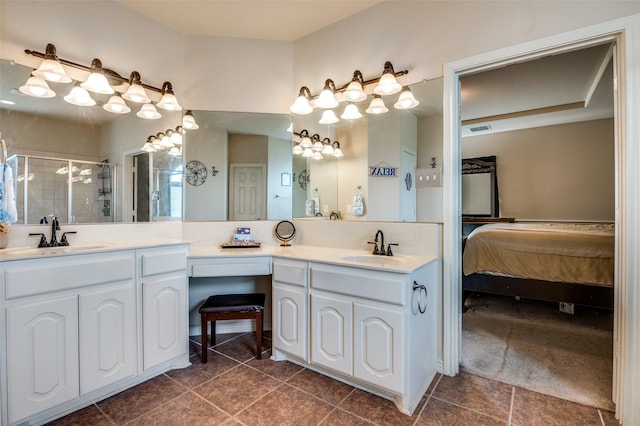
[81, 324]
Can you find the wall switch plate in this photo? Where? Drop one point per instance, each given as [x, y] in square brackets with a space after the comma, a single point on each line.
[567, 308]
[429, 177]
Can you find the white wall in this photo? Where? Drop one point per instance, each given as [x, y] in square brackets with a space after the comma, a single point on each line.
[430, 138]
[563, 172]
[279, 197]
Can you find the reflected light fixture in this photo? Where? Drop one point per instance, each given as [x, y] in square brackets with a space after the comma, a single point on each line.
[148, 145]
[327, 148]
[37, 88]
[148, 112]
[317, 156]
[305, 142]
[97, 82]
[307, 152]
[377, 106]
[328, 117]
[116, 105]
[50, 69]
[188, 121]
[176, 136]
[135, 92]
[175, 151]
[388, 85]
[406, 100]
[169, 100]
[327, 98]
[337, 152]
[301, 105]
[317, 143]
[297, 149]
[165, 142]
[354, 91]
[351, 112]
[79, 96]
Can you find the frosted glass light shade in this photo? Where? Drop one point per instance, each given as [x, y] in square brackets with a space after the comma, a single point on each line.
[306, 142]
[51, 70]
[301, 106]
[189, 122]
[354, 92]
[327, 149]
[326, 100]
[116, 105]
[406, 100]
[351, 112]
[97, 83]
[147, 147]
[176, 138]
[337, 152]
[328, 117]
[169, 102]
[136, 93]
[388, 85]
[377, 106]
[37, 88]
[148, 112]
[317, 146]
[307, 152]
[79, 96]
[297, 150]
[317, 156]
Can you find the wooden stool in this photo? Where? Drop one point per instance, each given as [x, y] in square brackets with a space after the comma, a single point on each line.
[231, 306]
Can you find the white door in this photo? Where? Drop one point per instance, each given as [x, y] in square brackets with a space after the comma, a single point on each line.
[42, 356]
[248, 192]
[107, 336]
[331, 333]
[290, 325]
[408, 191]
[164, 319]
[378, 346]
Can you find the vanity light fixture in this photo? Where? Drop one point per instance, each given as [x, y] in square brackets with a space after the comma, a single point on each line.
[37, 88]
[50, 69]
[406, 100]
[79, 96]
[188, 121]
[351, 112]
[388, 85]
[337, 152]
[135, 92]
[97, 82]
[148, 145]
[176, 136]
[328, 117]
[305, 141]
[307, 152]
[301, 105]
[169, 100]
[317, 143]
[317, 156]
[327, 98]
[116, 105]
[327, 147]
[354, 91]
[297, 150]
[377, 106]
[148, 112]
[175, 151]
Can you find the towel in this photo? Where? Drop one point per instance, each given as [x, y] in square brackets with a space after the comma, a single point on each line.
[8, 213]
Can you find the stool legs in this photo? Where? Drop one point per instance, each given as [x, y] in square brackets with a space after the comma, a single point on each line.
[203, 326]
[259, 335]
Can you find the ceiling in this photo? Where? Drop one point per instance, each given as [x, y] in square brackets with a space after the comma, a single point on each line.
[254, 19]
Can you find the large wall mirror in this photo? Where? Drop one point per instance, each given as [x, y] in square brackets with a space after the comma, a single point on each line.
[84, 164]
[403, 140]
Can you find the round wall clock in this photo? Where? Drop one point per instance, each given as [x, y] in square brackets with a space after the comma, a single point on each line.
[195, 173]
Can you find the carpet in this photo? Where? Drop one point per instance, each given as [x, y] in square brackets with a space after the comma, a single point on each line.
[532, 345]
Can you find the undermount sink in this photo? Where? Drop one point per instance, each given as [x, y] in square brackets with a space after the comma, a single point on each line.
[372, 259]
[43, 251]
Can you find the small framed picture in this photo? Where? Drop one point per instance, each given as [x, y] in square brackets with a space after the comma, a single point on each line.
[285, 179]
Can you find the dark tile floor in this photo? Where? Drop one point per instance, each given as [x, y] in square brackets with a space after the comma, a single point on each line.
[234, 388]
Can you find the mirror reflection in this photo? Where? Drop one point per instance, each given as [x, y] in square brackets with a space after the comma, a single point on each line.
[75, 162]
[238, 167]
[376, 177]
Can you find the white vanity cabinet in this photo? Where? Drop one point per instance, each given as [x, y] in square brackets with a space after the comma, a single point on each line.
[370, 327]
[70, 328]
[165, 319]
[290, 307]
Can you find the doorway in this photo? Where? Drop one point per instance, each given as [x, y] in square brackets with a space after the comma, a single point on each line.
[626, 297]
[247, 195]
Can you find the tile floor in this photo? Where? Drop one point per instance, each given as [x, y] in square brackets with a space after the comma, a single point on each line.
[234, 388]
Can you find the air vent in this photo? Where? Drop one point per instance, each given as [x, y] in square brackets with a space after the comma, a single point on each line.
[482, 128]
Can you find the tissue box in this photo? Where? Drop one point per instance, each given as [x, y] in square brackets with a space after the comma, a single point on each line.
[243, 234]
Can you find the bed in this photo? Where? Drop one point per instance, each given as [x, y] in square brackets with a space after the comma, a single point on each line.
[571, 263]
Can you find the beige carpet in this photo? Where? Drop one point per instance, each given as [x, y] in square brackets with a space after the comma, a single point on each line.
[534, 346]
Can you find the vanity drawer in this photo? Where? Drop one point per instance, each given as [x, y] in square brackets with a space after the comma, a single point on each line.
[39, 276]
[163, 260]
[290, 272]
[362, 283]
[230, 267]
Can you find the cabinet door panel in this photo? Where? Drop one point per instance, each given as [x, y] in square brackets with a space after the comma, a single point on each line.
[378, 346]
[331, 328]
[42, 350]
[164, 316]
[107, 337]
[290, 324]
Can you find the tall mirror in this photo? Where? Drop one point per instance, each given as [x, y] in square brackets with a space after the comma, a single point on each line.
[376, 177]
[77, 162]
[238, 167]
